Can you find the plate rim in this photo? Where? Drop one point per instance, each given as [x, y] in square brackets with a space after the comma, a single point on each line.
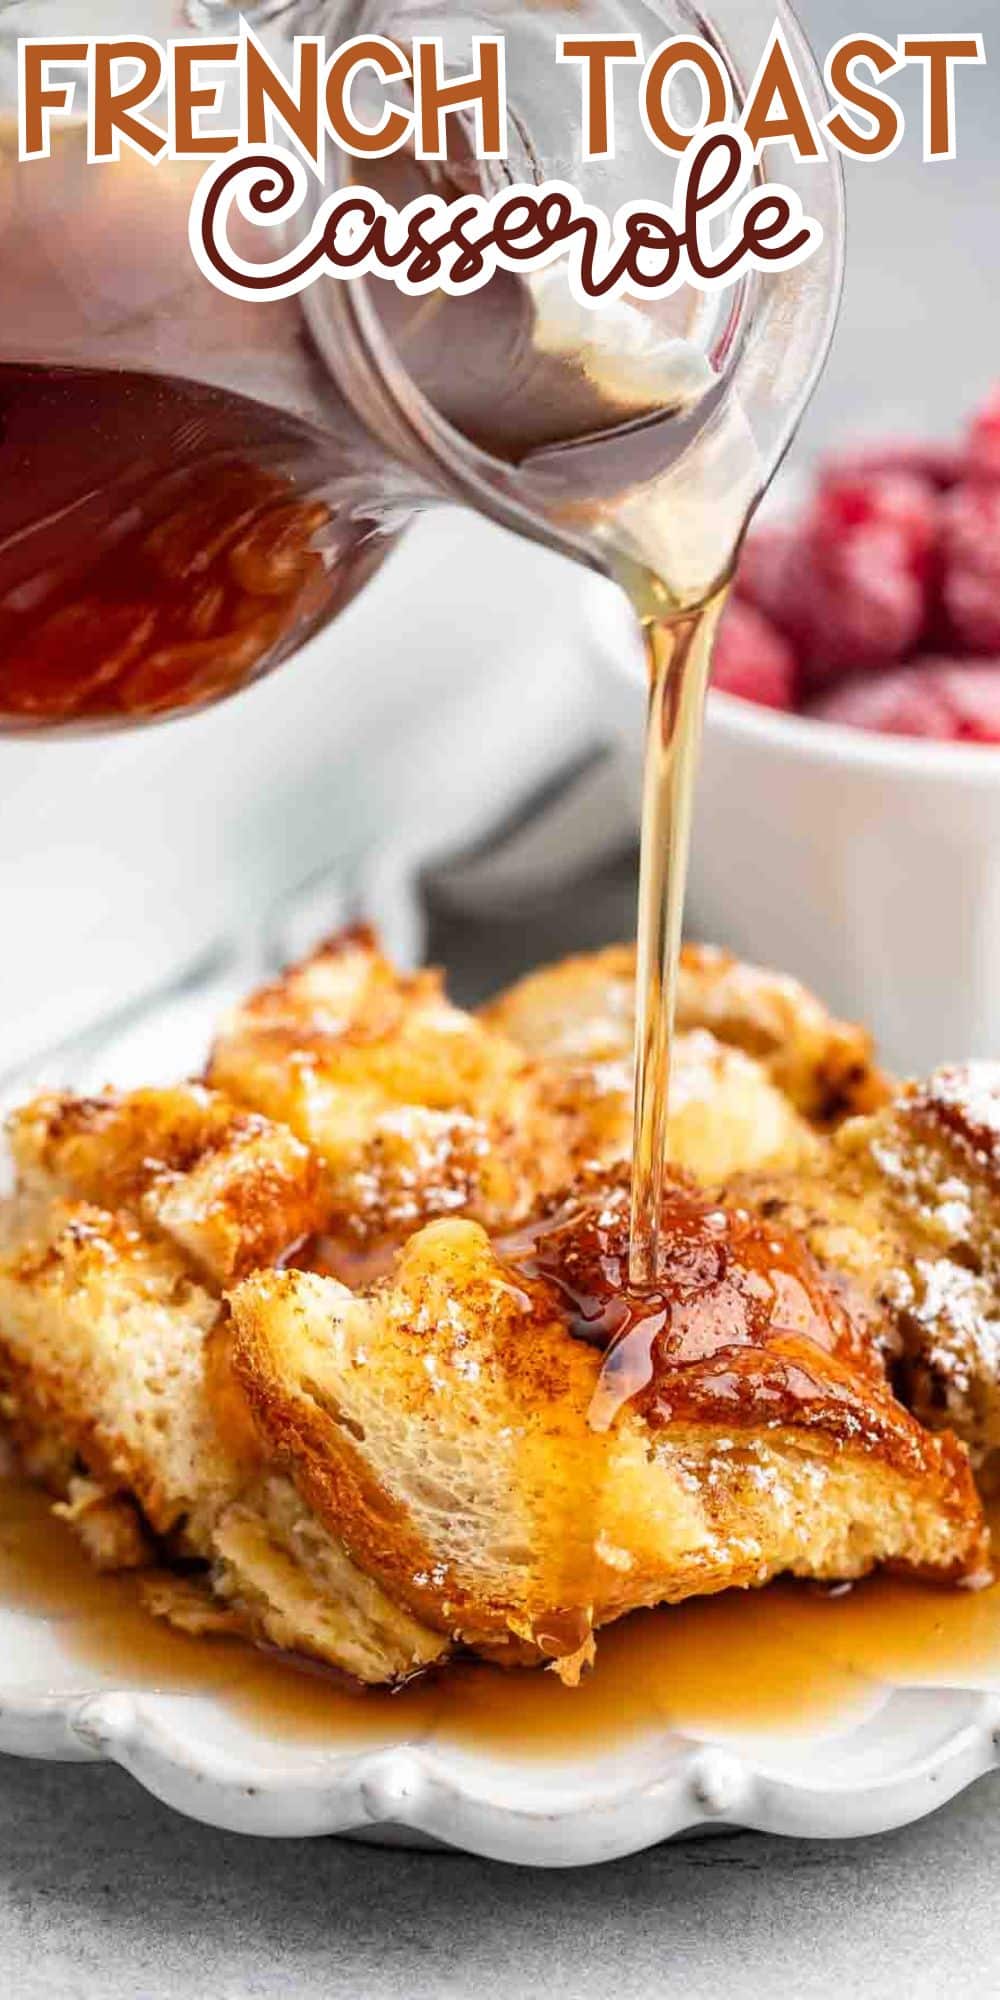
[422, 1792]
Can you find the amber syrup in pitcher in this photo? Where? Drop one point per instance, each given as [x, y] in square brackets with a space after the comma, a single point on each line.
[182, 492]
[160, 542]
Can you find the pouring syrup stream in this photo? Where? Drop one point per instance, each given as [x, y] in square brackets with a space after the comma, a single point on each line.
[679, 653]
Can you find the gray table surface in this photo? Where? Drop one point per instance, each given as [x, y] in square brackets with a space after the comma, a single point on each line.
[103, 1892]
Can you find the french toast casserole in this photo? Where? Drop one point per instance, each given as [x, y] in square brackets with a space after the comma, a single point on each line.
[336, 1345]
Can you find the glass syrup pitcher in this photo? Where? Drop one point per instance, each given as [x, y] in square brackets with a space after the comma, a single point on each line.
[192, 485]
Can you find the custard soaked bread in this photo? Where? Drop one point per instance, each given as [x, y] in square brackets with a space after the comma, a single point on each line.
[130, 1215]
[490, 1445]
[758, 1064]
[415, 1108]
[904, 1200]
[228, 1189]
[418, 1109]
[907, 1204]
[517, 1464]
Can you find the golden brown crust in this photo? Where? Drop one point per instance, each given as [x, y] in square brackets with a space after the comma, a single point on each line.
[824, 1066]
[906, 1204]
[743, 1328]
[312, 1440]
[581, 1015]
[93, 1320]
[227, 1187]
[114, 1361]
[447, 1425]
[419, 1110]
[962, 1104]
[415, 1108]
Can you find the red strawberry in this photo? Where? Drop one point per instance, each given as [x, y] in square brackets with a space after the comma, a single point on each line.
[982, 459]
[866, 608]
[847, 503]
[752, 659]
[939, 698]
[973, 693]
[971, 557]
[905, 703]
[940, 465]
[766, 577]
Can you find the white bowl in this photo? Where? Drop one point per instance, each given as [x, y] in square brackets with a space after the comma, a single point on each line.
[867, 865]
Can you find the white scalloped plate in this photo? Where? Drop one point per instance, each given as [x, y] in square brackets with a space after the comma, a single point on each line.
[913, 1750]
[889, 1754]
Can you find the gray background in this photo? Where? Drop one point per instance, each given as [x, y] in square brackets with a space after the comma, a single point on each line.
[918, 338]
[103, 1893]
[108, 1895]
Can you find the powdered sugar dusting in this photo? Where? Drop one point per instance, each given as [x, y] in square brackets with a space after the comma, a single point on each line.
[967, 1101]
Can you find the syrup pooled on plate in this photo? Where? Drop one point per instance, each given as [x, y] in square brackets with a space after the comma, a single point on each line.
[787, 1661]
